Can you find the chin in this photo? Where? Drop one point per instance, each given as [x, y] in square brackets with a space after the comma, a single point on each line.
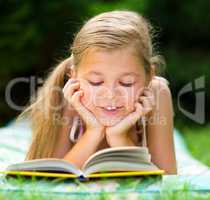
[109, 122]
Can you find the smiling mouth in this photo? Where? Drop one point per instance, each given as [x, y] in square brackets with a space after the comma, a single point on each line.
[111, 111]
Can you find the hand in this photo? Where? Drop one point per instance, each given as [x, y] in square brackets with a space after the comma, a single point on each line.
[144, 105]
[72, 94]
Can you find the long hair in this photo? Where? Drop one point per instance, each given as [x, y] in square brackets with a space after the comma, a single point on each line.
[108, 31]
[45, 112]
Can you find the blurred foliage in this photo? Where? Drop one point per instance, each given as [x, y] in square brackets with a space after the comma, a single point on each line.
[197, 140]
[35, 34]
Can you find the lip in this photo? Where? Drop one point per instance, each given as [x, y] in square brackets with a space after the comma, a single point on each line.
[111, 112]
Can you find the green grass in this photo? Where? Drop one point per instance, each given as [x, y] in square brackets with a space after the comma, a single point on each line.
[167, 192]
[198, 142]
[169, 196]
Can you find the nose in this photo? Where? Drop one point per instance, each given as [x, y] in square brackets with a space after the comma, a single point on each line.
[115, 96]
[110, 96]
[111, 93]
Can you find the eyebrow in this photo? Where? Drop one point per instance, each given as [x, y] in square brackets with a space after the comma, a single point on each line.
[125, 73]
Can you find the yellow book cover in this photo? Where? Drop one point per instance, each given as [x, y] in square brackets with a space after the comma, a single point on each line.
[94, 175]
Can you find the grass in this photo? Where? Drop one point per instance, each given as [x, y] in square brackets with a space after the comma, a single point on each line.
[198, 141]
[171, 196]
[168, 192]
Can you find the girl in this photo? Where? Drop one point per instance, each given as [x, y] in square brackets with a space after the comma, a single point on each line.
[98, 97]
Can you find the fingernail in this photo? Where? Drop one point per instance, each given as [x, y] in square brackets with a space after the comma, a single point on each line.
[73, 81]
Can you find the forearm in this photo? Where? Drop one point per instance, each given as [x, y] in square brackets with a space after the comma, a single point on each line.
[63, 144]
[83, 149]
[119, 140]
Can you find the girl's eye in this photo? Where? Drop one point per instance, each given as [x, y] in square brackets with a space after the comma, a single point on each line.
[123, 84]
[95, 84]
[126, 84]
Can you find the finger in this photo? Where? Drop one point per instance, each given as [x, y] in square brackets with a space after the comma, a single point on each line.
[86, 115]
[131, 118]
[149, 93]
[147, 107]
[141, 91]
[75, 101]
[138, 111]
[69, 89]
[125, 124]
[143, 94]
[149, 98]
[69, 82]
[67, 94]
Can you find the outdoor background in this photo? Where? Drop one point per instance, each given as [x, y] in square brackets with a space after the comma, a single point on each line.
[34, 35]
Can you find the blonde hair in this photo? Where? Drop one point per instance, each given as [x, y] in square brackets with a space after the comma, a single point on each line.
[108, 31]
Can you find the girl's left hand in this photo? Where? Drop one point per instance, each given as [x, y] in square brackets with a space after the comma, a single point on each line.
[145, 105]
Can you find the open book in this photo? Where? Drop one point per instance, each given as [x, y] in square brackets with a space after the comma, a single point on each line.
[109, 162]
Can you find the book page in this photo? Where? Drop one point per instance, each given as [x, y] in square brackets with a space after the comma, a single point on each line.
[120, 166]
[127, 150]
[130, 158]
[47, 164]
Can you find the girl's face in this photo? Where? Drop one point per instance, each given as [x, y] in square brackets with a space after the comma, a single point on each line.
[110, 79]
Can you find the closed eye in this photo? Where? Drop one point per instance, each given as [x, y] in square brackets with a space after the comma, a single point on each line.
[127, 84]
[123, 84]
[94, 83]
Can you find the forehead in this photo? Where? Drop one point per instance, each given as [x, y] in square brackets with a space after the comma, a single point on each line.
[111, 63]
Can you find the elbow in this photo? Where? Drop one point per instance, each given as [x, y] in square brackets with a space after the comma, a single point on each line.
[172, 171]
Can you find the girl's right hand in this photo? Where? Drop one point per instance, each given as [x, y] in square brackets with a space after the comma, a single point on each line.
[72, 94]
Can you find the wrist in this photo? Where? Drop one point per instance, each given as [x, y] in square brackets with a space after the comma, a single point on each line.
[96, 134]
[116, 134]
[119, 140]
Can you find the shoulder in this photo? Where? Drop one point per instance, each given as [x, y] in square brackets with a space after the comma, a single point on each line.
[162, 93]
[160, 87]
[159, 82]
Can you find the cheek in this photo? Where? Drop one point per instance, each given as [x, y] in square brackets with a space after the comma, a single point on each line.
[129, 99]
[133, 96]
[86, 98]
[89, 99]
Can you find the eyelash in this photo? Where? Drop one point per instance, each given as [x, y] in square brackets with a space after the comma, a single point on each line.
[124, 84]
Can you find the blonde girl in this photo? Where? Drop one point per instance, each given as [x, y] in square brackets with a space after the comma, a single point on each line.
[103, 94]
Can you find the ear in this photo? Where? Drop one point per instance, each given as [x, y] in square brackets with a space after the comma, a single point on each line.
[71, 72]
